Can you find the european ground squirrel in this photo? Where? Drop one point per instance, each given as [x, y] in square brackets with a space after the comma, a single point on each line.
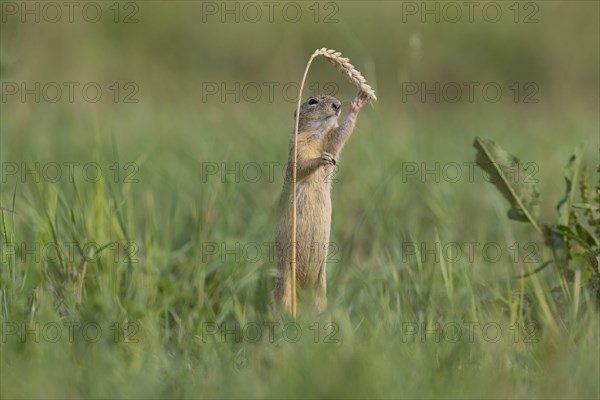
[320, 141]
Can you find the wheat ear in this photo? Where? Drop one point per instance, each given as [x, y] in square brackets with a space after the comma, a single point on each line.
[343, 64]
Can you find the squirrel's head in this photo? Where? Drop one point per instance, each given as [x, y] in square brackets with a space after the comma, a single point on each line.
[319, 114]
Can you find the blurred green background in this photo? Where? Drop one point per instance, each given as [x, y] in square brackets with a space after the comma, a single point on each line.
[179, 99]
[174, 59]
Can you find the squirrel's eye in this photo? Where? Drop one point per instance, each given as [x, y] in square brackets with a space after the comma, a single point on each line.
[312, 101]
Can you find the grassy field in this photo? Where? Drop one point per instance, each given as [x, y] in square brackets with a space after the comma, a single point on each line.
[142, 154]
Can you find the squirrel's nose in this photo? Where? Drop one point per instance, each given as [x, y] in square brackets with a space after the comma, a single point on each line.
[336, 105]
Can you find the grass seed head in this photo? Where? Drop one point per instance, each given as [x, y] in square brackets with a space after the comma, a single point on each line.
[343, 64]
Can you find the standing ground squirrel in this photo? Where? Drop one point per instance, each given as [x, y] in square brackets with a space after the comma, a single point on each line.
[320, 141]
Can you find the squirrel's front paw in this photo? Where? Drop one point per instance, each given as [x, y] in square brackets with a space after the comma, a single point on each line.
[359, 101]
[327, 159]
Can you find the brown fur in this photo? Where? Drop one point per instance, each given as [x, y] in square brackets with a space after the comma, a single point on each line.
[320, 141]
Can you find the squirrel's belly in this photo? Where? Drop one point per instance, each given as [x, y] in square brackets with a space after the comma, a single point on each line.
[313, 225]
[313, 198]
[313, 229]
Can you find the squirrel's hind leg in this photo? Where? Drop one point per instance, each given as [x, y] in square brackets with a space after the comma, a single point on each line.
[283, 294]
[320, 290]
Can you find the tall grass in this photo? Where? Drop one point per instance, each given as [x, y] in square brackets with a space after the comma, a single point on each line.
[394, 311]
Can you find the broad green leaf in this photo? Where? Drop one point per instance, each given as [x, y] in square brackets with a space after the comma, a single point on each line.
[512, 179]
[568, 233]
[586, 236]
